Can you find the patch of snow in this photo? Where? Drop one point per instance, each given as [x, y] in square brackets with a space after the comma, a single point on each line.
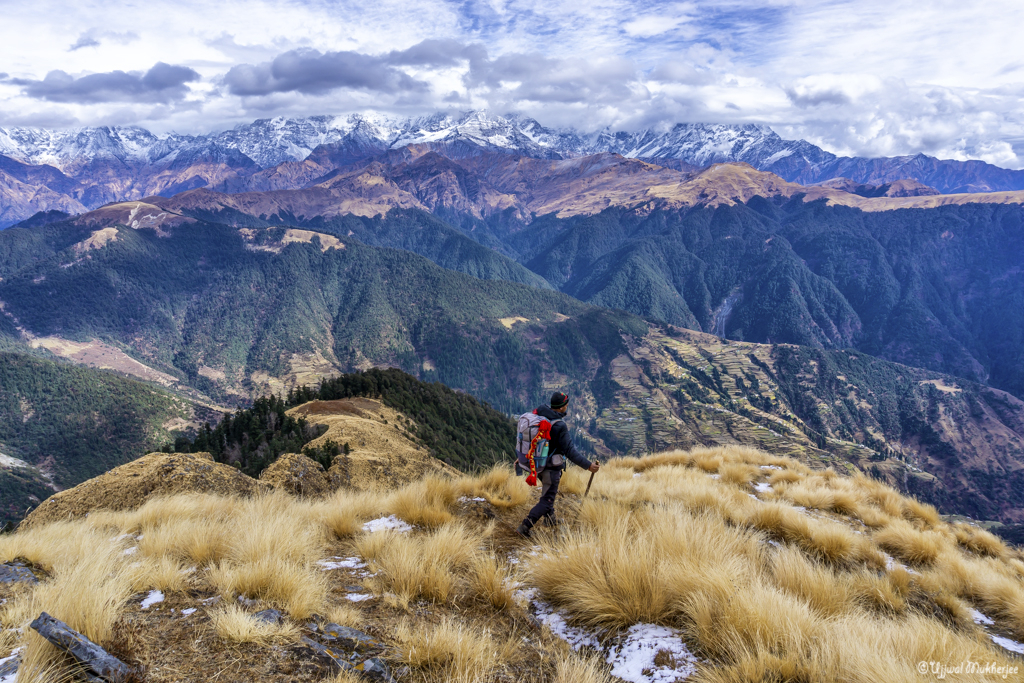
[207, 601]
[714, 476]
[1011, 645]
[892, 563]
[130, 551]
[636, 474]
[11, 678]
[770, 467]
[153, 598]
[775, 543]
[980, 618]
[576, 637]
[634, 659]
[763, 487]
[389, 522]
[467, 499]
[188, 612]
[358, 597]
[341, 563]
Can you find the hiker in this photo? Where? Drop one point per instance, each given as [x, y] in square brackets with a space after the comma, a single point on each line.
[561, 448]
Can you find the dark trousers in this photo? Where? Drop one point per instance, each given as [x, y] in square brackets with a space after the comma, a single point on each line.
[545, 507]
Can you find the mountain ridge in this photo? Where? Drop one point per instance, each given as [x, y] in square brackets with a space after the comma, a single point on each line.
[105, 164]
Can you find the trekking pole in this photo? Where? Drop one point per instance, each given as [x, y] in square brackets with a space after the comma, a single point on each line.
[588, 486]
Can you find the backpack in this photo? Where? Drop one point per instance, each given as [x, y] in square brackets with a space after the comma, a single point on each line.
[533, 436]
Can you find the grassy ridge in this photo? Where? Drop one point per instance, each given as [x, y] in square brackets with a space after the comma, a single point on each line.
[455, 427]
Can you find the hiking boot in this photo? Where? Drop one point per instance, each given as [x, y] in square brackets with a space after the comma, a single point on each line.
[523, 530]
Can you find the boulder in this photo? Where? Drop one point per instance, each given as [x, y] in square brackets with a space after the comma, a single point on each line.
[129, 486]
[298, 475]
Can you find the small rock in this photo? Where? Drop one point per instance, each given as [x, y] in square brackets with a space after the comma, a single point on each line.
[350, 638]
[271, 616]
[355, 589]
[16, 572]
[375, 669]
[335, 656]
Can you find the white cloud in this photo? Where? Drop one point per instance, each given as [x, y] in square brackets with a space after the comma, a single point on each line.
[861, 77]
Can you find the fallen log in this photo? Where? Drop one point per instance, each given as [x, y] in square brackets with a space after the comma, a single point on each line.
[89, 654]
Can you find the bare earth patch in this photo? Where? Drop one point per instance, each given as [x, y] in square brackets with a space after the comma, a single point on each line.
[96, 354]
[509, 322]
[942, 386]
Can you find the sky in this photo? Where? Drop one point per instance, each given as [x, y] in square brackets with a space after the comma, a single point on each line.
[864, 78]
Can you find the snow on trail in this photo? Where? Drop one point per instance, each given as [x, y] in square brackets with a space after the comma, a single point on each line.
[1011, 645]
[1006, 643]
[389, 522]
[644, 653]
[652, 653]
[153, 598]
[980, 618]
[341, 563]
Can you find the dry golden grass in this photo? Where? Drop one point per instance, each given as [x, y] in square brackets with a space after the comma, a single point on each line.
[909, 544]
[427, 502]
[299, 589]
[979, 541]
[759, 617]
[344, 615]
[347, 677]
[491, 581]
[161, 573]
[87, 595]
[633, 568]
[499, 486]
[581, 669]
[451, 651]
[427, 566]
[739, 474]
[234, 624]
[671, 546]
[344, 513]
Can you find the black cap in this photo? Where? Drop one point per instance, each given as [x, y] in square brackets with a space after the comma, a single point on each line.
[558, 399]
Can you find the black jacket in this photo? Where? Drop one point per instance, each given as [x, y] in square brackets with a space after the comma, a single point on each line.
[561, 442]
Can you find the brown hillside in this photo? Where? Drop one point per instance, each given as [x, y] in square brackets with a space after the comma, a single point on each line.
[130, 485]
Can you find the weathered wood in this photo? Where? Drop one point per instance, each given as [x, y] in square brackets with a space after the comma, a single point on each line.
[91, 655]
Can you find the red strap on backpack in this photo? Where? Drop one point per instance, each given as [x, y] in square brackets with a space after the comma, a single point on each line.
[543, 432]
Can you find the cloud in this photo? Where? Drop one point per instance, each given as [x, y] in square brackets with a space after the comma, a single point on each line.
[91, 38]
[536, 78]
[161, 84]
[84, 41]
[313, 72]
[436, 53]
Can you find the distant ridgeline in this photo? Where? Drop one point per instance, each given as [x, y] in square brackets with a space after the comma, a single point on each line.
[457, 428]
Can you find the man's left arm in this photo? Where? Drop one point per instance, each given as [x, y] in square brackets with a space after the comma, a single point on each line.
[567, 447]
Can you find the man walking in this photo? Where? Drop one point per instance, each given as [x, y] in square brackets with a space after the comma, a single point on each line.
[561, 448]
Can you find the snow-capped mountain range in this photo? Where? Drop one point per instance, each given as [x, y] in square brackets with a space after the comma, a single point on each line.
[79, 169]
[269, 142]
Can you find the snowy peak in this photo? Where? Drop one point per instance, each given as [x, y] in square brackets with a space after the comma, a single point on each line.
[269, 142]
